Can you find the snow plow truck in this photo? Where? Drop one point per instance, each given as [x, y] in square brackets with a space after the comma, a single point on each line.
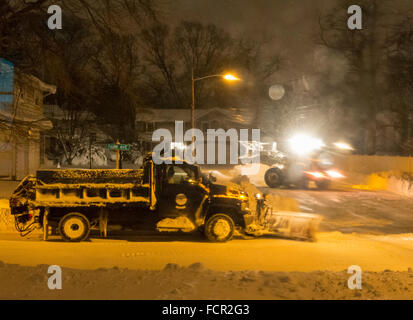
[168, 197]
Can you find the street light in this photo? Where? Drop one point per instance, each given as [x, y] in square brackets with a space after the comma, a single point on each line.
[228, 77]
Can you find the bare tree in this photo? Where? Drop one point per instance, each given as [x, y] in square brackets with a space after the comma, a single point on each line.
[400, 80]
[364, 52]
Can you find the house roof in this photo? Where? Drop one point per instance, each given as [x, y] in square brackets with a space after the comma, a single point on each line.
[242, 116]
[53, 111]
[36, 82]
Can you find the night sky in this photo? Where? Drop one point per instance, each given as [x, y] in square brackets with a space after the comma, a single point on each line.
[290, 24]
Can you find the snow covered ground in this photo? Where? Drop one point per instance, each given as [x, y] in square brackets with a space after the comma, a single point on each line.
[196, 282]
[371, 229]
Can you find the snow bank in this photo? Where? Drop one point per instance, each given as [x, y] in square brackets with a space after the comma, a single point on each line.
[403, 185]
[392, 181]
[99, 159]
[195, 281]
[6, 219]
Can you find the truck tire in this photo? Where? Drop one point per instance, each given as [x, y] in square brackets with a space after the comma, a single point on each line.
[219, 228]
[273, 178]
[74, 227]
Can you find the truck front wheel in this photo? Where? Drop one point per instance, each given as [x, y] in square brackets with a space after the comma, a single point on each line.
[219, 228]
[74, 227]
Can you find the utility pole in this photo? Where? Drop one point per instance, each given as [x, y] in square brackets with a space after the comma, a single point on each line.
[193, 107]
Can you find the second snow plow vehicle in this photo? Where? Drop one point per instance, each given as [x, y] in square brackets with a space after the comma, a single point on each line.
[304, 160]
[166, 197]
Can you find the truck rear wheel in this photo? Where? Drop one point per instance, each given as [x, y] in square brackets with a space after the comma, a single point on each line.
[74, 227]
[219, 228]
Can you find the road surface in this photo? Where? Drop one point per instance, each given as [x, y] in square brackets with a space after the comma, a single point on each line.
[348, 210]
[371, 229]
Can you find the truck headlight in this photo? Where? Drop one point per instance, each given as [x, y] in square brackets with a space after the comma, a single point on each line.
[343, 146]
[302, 144]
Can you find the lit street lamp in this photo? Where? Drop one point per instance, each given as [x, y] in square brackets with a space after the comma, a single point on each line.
[228, 77]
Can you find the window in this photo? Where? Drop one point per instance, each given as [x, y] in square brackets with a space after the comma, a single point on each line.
[179, 174]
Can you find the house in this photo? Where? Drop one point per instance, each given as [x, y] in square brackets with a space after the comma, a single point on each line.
[21, 121]
[148, 120]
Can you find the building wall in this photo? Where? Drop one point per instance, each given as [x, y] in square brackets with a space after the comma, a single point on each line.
[20, 152]
[20, 158]
[6, 157]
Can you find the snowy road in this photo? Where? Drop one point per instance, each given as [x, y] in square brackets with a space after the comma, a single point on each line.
[334, 251]
[350, 211]
[371, 229]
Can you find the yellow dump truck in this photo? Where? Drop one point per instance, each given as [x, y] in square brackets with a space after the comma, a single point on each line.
[172, 196]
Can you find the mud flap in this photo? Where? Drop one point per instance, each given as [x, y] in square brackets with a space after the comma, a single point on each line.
[103, 223]
[46, 224]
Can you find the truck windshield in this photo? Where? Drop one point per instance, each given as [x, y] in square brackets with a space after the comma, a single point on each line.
[179, 174]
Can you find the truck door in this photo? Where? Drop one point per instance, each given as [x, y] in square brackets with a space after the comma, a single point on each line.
[182, 193]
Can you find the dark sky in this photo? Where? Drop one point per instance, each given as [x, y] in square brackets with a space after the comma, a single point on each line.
[291, 24]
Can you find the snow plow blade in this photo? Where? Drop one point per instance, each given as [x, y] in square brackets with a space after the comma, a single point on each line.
[290, 225]
[295, 225]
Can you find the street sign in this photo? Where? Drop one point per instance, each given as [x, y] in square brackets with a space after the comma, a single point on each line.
[121, 147]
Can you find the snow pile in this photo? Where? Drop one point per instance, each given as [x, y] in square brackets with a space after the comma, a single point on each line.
[254, 172]
[402, 185]
[6, 219]
[98, 158]
[392, 181]
[195, 281]
[169, 224]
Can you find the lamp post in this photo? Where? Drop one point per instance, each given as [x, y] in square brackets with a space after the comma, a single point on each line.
[228, 77]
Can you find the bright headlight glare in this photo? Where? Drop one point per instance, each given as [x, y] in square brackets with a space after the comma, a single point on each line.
[335, 174]
[303, 144]
[343, 146]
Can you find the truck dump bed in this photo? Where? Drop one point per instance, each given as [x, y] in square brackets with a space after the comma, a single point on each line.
[91, 187]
